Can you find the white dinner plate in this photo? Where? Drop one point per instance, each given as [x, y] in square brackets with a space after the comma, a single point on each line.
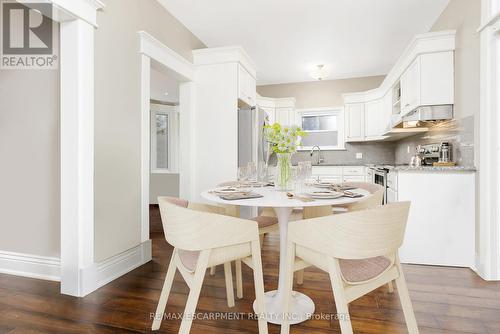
[323, 184]
[230, 190]
[324, 194]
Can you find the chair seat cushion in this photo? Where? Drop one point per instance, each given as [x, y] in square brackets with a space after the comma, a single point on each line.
[356, 271]
[265, 221]
[189, 259]
[178, 201]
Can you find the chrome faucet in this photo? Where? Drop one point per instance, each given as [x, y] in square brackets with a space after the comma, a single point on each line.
[320, 157]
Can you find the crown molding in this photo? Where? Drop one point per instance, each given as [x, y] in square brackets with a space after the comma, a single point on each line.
[440, 41]
[227, 54]
[68, 10]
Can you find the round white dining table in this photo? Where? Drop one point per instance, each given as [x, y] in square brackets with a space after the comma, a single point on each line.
[302, 306]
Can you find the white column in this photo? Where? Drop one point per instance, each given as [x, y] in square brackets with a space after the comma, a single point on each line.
[488, 259]
[77, 156]
[145, 144]
[186, 140]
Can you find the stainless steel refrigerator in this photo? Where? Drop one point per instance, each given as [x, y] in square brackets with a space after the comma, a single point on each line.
[252, 145]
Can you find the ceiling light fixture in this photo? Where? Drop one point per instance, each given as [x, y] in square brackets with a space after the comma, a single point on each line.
[320, 72]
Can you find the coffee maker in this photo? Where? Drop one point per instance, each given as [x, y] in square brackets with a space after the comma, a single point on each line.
[432, 153]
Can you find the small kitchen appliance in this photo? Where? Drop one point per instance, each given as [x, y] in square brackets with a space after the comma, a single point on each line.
[435, 153]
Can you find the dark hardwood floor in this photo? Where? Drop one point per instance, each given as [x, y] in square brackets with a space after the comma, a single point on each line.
[446, 300]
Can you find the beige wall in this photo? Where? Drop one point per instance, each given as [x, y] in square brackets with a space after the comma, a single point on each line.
[163, 185]
[29, 151]
[117, 115]
[464, 16]
[317, 94]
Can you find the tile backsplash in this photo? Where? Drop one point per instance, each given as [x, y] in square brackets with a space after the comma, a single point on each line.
[460, 133]
[373, 153]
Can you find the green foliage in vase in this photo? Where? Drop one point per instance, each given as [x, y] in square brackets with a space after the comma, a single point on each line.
[284, 139]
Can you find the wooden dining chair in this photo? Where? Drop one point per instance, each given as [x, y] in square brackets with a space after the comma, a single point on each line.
[374, 199]
[200, 240]
[267, 223]
[359, 250]
[376, 196]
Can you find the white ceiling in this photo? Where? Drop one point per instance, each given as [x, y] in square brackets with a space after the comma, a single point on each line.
[287, 38]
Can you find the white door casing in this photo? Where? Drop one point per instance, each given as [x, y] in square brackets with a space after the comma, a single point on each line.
[152, 49]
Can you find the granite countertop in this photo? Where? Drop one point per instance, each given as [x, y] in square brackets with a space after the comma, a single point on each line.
[340, 164]
[436, 168]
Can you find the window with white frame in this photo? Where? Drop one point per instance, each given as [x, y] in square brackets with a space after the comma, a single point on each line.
[324, 128]
[164, 138]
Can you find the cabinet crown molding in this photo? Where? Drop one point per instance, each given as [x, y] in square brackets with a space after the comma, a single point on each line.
[280, 102]
[227, 54]
[440, 41]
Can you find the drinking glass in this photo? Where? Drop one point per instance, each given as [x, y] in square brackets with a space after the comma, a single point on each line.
[295, 177]
[305, 173]
[242, 174]
[252, 172]
[262, 172]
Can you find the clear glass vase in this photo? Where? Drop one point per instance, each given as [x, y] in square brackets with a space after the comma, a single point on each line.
[284, 179]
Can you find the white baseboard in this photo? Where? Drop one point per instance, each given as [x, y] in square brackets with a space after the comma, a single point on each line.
[27, 265]
[484, 272]
[49, 268]
[122, 263]
[118, 265]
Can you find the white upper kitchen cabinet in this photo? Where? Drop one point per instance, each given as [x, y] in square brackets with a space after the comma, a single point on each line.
[422, 76]
[429, 80]
[373, 119]
[410, 87]
[285, 116]
[355, 121]
[279, 110]
[387, 110]
[246, 87]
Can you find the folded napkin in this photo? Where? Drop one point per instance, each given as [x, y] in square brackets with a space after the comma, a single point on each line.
[339, 187]
[232, 197]
[256, 184]
[351, 194]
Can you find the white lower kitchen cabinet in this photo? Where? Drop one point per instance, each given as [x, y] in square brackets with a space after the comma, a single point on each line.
[339, 174]
[441, 223]
[353, 178]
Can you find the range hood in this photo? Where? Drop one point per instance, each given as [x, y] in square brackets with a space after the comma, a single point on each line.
[430, 113]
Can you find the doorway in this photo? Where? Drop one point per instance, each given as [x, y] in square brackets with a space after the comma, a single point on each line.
[167, 108]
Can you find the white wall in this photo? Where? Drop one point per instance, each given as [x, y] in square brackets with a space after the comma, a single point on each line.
[161, 83]
[29, 162]
[118, 115]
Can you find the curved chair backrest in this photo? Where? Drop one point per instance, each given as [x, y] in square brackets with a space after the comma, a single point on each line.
[354, 235]
[188, 229]
[376, 196]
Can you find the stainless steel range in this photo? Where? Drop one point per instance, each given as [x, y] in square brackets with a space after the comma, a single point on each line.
[380, 173]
